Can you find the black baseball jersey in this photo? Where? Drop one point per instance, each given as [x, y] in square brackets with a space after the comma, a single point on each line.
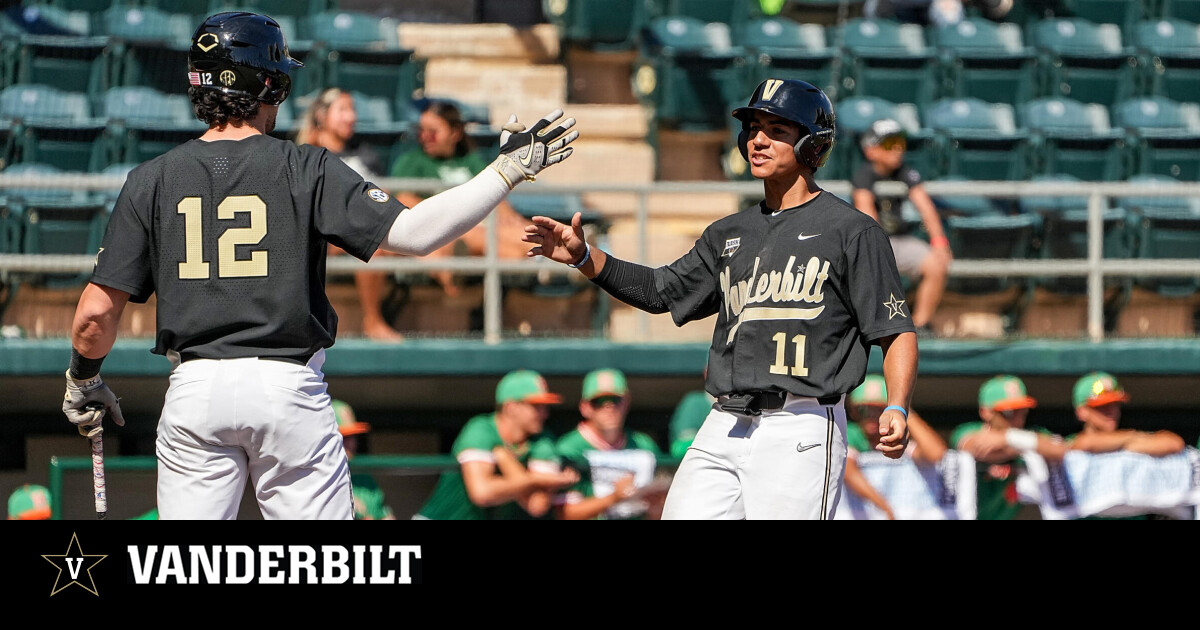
[887, 207]
[799, 295]
[232, 236]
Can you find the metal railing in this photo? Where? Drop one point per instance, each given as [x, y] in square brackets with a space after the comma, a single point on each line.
[1095, 267]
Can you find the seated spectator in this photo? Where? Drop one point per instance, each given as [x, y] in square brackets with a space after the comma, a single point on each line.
[369, 502]
[329, 122]
[30, 502]
[508, 467]
[604, 406]
[447, 154]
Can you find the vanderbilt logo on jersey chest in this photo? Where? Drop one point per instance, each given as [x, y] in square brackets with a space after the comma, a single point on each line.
[731, 245]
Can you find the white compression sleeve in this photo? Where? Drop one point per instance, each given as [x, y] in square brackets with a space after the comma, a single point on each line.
[445, 216]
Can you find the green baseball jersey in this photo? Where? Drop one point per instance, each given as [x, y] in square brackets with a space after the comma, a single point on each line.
[474, 443]
[689, 414]
[995, 484]
[856, 438]
[574, 447]
[451, 171]
[369, 502]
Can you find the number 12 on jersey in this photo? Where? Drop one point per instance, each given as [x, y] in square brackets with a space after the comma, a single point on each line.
[780, 365]
[194, 267]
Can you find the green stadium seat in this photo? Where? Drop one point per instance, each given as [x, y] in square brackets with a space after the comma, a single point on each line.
[294, 9]
[1083, 60]
[732, 13]
[67, 62]
[779, 48]
[855, 115]
[968, 205]
[1123, 13]
[1135, 203]
[689, 73]
[1164, 134]
[153, 46]
[1073, 138]
[1065, 236]
[982, 59]
[54, 127]
[601, 25]
[1004, 237]
[1168, 233]
[1188, 10]
[1052, 204]
[146, 123]
[361, 53]
[889, 60]
[376, 125]
[978, 140]
[1169, 58]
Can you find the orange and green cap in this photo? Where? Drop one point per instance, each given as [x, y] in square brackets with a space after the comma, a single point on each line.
[346, 422]
[1005, 393]
[1098, 388]
[873, 391]
[604, 382]
[525, 386]
[30, 502]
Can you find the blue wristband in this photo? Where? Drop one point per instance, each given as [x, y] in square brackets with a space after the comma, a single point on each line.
[587, 253]
[897, 408]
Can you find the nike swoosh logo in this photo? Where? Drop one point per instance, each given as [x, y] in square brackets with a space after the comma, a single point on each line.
[801, 447]
[528, 159]
[803, 237]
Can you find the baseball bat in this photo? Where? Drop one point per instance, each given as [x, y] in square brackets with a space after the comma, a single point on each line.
[96, 436]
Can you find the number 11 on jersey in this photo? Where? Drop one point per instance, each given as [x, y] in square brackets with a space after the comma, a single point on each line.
[780, 365]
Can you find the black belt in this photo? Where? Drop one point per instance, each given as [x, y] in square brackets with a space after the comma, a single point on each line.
[300, 360]
[754, 403]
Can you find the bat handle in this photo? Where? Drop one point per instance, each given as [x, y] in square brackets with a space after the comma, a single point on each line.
[98, 483]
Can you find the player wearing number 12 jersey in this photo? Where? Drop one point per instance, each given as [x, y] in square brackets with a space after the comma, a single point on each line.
[230, 231]
[801, 284]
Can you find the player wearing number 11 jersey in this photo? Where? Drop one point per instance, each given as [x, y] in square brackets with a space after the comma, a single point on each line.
[801, 287]
[230, 231]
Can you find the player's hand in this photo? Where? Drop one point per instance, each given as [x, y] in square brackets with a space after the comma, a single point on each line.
[87, 401]
[555, 480]
[624, 488]
[556, 241]
[524, 153]
[893, 434]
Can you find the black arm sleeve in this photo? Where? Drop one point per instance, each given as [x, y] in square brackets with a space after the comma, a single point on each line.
[631, 283]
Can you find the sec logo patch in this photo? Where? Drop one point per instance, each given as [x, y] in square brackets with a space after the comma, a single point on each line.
[377, 195]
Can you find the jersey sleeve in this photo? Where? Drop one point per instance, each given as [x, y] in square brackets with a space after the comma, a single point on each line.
[910, 176]
[123, 262]
[876, 295]
[864, 177]
[348, 211]
[962, 431]
[689, 285]
[475, 442]
[542, 449]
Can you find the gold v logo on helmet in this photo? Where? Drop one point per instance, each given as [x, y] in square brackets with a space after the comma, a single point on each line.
[770, 87]
[207, 42]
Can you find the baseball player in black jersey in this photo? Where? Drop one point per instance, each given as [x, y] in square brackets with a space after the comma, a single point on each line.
[802, 285]
[230, 231]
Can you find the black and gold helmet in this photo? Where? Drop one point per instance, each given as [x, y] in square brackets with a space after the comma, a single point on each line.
[242, 53]
[802, 103]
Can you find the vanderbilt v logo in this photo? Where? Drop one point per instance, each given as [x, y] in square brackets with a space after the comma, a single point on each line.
[73, 566]
[771, 87]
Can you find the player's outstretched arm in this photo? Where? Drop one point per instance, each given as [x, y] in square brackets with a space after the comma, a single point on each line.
[442, 218]
[564, 243]
[899, 375]
[93, 333]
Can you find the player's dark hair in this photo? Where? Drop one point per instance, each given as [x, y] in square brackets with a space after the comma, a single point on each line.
[216, 108]
[450, 113]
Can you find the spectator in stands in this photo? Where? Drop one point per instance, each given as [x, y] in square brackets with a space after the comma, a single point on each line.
[997, 442]
[447, 154]
[508, 468]
[329, 122]
[863, 407]
[884, 146]
[30, 502]
[604, 407]
[369, 501]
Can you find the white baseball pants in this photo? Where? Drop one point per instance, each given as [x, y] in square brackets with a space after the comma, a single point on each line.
[787, 463]
[224, 421]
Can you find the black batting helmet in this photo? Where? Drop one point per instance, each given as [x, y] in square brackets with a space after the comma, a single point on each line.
[802, 103]
[242, 53]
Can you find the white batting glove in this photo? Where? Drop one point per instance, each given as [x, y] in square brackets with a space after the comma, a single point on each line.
[523, 154]
[86, 402]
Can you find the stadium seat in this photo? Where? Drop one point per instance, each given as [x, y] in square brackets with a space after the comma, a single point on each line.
[978, 140]
[889, 60]
[376, 125]
[361, 53]
[1073, 138]
[732, 13]
[1135, 203]
[1168, 233]
[1169, 58]
[55, 221]
[855, 115]
[969, 205]
[1164, 134]
[1052, 204]
[785, 49]
[1188, 10]
[1083, 60]
[67, 62]
[294, 9]
[1123, 13]
[1065, 236]
[1004, 237]
[54, 127]
[145, 123]
[600, 25]
[153, 45]
[982, 59]
[689, 73]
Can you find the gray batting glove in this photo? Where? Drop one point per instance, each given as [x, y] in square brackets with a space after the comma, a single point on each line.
[523, 154]
[86, 402]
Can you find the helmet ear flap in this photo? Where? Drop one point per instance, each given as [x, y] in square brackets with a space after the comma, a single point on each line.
[742, 139]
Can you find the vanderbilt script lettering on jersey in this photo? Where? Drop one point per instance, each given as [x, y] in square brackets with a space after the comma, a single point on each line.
[777, 288]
